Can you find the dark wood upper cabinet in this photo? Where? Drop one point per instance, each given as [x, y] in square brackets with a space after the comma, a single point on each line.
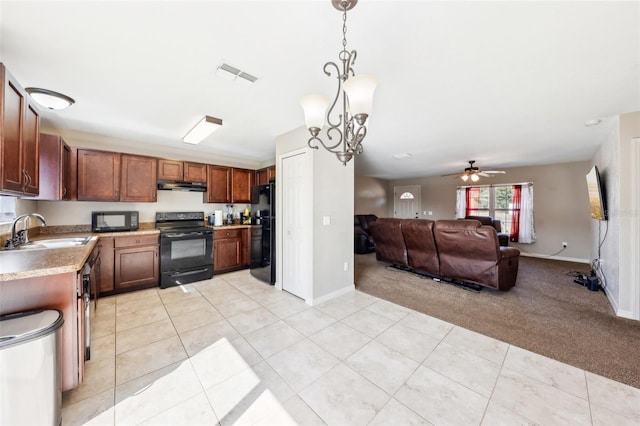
[170, 170]
[242, 181]
[98, 175]
[185, 171]
[266, 175]
[55, 169]
[111, 176]
[139, 178]
[218, 184]
[19, 138]
[195, 172]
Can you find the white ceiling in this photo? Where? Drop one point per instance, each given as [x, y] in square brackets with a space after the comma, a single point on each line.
[507, 84]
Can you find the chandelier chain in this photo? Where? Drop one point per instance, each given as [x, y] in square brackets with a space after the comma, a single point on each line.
[344, 26]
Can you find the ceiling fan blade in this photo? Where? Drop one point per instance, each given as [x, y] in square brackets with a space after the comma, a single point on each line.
[453, 174]
[493, 171]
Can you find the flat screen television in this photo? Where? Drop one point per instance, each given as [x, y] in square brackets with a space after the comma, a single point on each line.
[597, 195]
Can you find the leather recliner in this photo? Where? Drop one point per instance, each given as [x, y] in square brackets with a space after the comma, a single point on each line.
[362, 239]
[469, 251]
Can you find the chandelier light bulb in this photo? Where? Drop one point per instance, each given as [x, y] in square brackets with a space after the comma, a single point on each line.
[314, 107]
[359, 90]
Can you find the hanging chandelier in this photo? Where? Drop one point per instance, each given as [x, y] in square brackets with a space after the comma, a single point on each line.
[356, 94]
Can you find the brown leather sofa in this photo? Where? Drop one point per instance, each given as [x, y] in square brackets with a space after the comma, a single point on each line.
[461, 251]
[362, 240]
[503, 237]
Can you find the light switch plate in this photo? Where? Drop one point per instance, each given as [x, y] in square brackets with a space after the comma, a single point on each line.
[326, 220]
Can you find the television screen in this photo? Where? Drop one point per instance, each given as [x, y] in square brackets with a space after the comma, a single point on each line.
[597, 198]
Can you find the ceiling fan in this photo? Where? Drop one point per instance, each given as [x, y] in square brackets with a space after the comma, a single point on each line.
[472, 172]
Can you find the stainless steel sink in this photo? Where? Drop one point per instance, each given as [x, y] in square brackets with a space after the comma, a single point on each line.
[51, 243]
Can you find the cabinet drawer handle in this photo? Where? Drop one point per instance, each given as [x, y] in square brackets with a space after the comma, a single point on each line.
[137, 241]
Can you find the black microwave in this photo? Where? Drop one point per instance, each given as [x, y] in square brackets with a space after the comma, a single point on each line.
[114, 221]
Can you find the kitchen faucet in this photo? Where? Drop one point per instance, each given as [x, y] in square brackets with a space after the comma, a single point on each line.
[22, 236]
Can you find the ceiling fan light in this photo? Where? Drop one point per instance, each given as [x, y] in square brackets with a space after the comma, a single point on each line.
[464, 177]
[314, 107]
[474, 178]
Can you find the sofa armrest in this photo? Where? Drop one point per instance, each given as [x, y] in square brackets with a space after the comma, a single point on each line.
[509, 252]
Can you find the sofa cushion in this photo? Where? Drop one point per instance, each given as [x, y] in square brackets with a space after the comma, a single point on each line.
[421, 246]
[391, 247]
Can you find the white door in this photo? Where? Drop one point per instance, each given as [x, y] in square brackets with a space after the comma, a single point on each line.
[297, 223]
[406, 202]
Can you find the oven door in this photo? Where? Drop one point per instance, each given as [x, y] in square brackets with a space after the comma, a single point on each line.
[185, 256]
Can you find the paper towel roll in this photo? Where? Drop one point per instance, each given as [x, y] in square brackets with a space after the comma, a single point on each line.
[218, 214]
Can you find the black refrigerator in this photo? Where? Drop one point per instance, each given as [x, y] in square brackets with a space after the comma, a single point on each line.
[263, 238]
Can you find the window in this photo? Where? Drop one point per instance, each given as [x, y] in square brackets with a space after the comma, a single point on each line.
[7, 209]
[495, 201]
[406, 196]
[512, 205]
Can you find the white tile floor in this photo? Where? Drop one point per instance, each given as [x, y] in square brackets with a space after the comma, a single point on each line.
[233, 350]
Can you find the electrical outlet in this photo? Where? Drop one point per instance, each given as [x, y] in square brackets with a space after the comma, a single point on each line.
[564, 244]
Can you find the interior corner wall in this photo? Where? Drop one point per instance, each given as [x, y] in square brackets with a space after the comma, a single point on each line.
[607, 159]
[333, 186]
[615, 241]
[561, 205]
[333, 200]
[371, 196]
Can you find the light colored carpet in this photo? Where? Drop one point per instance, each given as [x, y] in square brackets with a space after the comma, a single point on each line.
[546, 312]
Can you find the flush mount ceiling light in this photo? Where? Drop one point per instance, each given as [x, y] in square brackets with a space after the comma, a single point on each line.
[229, 72]
[591, 123]
[49, 98]
[204, 128]
[356, 93]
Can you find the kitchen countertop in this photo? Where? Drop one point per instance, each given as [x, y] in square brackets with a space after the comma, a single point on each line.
[239, 226]
[18, 264]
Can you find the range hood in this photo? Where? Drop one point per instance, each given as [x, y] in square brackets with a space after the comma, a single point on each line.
[182, 186]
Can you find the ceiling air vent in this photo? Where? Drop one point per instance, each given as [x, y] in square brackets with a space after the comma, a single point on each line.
[232, 73]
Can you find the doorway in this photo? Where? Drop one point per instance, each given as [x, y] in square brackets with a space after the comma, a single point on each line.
[406, 202]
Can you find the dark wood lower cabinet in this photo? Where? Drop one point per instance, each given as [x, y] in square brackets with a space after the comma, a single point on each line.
[106, 264]
[128, 263]
[136, 267]
[230, 249]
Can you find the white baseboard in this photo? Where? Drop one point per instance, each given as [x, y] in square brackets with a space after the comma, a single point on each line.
[318, 300]
[565, 259]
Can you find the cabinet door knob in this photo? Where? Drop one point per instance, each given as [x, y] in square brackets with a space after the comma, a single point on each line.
[115, 194]
[137, 241]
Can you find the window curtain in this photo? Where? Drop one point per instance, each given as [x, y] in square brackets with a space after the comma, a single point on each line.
[472, 195]
[527, 233]
[514, 235]
[461, 203]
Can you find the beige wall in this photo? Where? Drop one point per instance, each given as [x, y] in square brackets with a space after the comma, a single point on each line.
[617, 168]
[561, 206]
[332, 196]
[371, 196]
